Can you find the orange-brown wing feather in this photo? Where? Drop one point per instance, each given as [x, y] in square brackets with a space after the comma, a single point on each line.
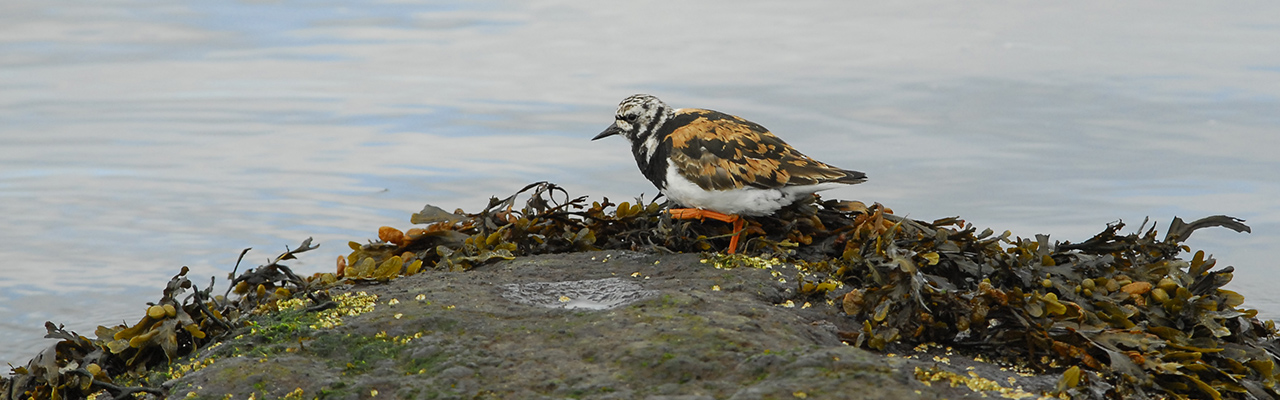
[718, 151]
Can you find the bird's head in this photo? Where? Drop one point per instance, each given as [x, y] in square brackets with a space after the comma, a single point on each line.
[638, 117]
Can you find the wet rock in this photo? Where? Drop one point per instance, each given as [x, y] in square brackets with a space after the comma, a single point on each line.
[674, 328]
[590, 294]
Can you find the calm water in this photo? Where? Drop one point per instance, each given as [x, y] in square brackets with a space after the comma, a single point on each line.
[138, 137]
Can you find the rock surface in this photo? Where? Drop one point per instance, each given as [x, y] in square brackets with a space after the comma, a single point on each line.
[639, 326]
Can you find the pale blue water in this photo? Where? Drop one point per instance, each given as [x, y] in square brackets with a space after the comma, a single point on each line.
[138, 137]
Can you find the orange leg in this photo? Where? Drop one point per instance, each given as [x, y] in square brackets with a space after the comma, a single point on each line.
[737, 231]
[698, 213]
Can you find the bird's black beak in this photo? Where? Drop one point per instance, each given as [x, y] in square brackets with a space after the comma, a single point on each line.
[610, 131]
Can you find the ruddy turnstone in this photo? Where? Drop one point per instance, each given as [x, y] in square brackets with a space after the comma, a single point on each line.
[720, 165]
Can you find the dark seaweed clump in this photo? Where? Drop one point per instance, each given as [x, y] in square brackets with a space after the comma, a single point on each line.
[1119, 315]
[1123, 306]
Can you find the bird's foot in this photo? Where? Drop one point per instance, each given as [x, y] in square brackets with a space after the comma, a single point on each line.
[699, 214]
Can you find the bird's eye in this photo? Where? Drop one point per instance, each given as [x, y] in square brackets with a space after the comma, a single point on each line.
[630, 117]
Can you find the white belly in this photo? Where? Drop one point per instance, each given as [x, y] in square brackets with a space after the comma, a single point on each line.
[746, 201]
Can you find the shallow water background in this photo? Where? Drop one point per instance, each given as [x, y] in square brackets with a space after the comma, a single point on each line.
[140, 136]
